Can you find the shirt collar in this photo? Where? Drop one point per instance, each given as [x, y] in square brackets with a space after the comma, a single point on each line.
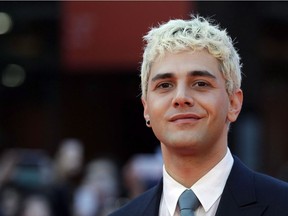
[208, 189]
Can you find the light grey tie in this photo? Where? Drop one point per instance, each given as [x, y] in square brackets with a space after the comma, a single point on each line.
[188, 203]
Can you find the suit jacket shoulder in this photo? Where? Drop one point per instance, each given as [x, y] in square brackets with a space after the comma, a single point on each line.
[252, 194]
[145, 204]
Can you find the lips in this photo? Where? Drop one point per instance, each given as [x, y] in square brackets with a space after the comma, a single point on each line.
[183, 117]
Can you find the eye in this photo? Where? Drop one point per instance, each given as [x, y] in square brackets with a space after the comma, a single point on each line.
[201, 84]
[164, 85]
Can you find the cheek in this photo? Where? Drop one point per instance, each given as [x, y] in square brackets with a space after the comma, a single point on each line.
[157, 107]
[155, 110]
[217, 107]
[224, 109]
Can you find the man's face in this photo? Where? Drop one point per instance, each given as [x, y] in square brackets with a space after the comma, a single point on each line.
[187, 103]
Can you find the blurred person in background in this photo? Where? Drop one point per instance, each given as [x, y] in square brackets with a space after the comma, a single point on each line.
[10, 195]
[10, 200]
[191, 93]
[22, 173]
[68, 162]
[142, 172]
[98, 192]
[33, 184]
[36, 205]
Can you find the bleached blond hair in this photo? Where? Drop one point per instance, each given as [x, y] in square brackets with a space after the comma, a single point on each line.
[195, 34]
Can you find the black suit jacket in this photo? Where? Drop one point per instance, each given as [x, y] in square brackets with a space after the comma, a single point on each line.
[246, 193]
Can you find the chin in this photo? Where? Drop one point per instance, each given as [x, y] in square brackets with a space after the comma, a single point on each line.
[183, 143]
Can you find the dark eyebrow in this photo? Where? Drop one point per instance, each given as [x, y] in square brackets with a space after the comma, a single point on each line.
[192, 73]
[202, 73]
[162, 76]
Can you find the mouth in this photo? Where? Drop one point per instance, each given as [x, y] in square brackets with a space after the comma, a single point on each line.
[184, 118]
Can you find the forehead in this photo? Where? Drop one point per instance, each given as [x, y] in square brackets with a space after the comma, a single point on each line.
[184, 62]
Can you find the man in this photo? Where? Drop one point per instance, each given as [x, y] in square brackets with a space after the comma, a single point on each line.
[191, 78]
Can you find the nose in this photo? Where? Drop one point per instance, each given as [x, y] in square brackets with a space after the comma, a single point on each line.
[182, 98]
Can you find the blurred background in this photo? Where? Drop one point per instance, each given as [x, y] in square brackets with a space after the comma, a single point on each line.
[73, 139]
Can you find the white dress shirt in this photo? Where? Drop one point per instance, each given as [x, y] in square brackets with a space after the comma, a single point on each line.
[208, 189]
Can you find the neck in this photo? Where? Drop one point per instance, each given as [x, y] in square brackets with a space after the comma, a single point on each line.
[187, 169]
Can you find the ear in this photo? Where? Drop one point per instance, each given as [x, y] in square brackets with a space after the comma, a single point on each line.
[146, 115]
[236, 100]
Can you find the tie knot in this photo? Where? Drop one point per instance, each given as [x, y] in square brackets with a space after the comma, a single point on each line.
[188, 200]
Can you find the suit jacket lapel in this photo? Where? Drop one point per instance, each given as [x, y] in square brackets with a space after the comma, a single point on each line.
[238, 197]
[151, 207]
